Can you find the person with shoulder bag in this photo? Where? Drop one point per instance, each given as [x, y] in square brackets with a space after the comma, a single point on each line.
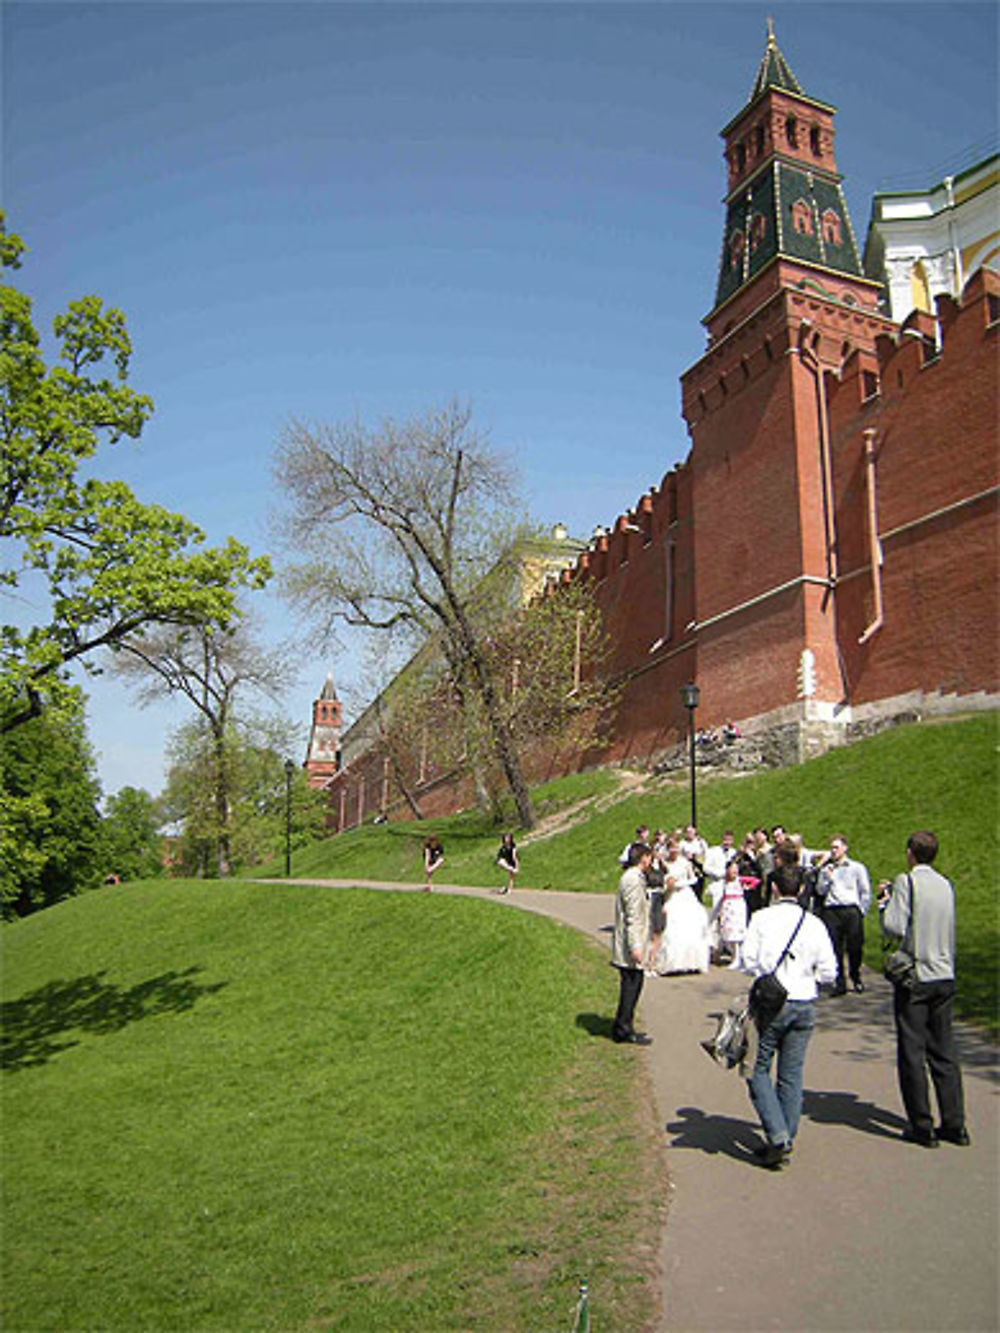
[788, 952]
[918, 916]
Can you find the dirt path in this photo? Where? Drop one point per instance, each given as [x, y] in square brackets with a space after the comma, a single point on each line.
[860, 1231]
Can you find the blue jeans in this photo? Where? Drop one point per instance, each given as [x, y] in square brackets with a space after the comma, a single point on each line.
[779, 1103]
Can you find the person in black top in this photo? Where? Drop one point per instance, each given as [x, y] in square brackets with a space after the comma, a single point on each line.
[507, 860]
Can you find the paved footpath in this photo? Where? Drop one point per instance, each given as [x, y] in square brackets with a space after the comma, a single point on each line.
[860, 1231]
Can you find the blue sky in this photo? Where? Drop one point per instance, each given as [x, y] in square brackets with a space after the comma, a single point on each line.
[329, 210]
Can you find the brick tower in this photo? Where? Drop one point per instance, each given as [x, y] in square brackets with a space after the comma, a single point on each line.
[791, 305]
[323, 755]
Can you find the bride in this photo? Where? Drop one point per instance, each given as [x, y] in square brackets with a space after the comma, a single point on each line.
[685, 945]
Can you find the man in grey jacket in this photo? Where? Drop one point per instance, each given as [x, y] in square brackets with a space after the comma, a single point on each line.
[919, 910]
[628, 945]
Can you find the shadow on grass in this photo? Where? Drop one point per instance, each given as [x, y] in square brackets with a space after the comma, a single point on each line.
[598, 1025]
[34, 1026]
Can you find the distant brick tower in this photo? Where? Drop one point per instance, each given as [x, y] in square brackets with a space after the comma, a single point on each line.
[323, 755]
[791, 304]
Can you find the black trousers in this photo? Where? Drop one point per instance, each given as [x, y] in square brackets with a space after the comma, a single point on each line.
[629, 990]
[847, 933]
[925, 1040]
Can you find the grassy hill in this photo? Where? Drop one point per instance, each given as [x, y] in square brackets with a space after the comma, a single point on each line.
[230, 1106]
[938, 776]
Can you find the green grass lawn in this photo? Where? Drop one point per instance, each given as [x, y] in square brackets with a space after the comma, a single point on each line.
[229, 1106]
[941, 776]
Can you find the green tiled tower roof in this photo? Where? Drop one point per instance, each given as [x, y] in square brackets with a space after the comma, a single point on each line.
[774, 71]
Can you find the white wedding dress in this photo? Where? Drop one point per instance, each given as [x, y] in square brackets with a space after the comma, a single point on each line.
[686, 944]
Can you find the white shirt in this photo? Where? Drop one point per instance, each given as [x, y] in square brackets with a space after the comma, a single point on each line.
[716, 860]
[845, 884]
[809, 961]
[695, 848]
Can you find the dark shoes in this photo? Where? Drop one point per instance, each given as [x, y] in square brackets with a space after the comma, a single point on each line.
[839, 990]
[859, 985]
[772, 1155]
[926, 1138]
[959, 1137]
[633, 1039]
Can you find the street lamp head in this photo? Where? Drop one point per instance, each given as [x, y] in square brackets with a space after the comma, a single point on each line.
[289, 768]
[689, 695]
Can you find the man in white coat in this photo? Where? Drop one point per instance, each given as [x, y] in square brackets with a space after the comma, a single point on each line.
[630, 940]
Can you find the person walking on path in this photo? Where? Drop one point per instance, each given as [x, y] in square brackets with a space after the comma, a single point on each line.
[433, 860]
[846, 893]
[919, 910]
[629, 941]
[795, 946]
[507, 860]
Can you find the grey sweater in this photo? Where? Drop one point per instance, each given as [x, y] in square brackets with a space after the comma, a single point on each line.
[934, 901]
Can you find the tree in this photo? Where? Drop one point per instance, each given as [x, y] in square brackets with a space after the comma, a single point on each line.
[210, 667]
[131, 830]
[257, 794]
[398, 527]
[51, 842]
[109, 564]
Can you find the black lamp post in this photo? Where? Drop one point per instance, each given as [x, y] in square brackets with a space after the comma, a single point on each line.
[289, 770]
[689, 696]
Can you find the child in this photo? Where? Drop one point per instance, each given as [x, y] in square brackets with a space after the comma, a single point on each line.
[732, 912]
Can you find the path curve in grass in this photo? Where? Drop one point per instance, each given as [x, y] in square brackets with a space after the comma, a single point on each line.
[861, 1231]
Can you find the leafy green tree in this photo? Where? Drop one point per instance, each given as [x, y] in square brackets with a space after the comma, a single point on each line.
[51, 839]
[131, 829]
[109, 563]
[255, 830]
[212, 669]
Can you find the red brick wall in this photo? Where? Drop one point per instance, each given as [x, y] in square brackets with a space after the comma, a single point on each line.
[936, 446]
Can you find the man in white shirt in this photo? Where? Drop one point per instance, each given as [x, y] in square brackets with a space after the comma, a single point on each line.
[919, 910]
[845, 892]
[785, 929]
[629, 942]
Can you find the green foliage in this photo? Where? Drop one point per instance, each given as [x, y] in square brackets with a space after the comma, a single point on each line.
[109, 563]
[252, 818]
[51, 841]
[266, 1135]
[131, 828]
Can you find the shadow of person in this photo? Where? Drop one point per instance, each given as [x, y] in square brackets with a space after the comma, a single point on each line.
[846, 1108]
[713, 1134]
[598, 1025]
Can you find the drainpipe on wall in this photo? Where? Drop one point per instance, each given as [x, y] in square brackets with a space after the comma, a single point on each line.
[874, 545]
[812, 363]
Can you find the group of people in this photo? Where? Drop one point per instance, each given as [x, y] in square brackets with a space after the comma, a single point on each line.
[774, 908]
[506, 858]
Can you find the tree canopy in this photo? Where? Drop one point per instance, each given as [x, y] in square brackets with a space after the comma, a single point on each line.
[109, 563]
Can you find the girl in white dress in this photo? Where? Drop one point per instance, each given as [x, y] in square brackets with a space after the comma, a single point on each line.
[685, 945]
[732, 915]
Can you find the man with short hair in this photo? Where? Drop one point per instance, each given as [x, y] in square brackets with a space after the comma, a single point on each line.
[629, 941]
[809, 960]
[919, 910]
[846, 894]
[641, 835]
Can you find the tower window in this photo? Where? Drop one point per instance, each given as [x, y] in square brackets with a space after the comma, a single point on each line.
[758, 140]
[741, 156]
[758, 229]
[831, 227]
[736, 245]
[792, 132]
[802, 217]
[869, 381]
[814, 142]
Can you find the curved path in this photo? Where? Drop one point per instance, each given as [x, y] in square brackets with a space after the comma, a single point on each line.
[860, 1231]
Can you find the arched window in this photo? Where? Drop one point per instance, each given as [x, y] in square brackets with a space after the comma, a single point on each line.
[831, 227]
[758, 230]
[741, 156]
[814, 141]
[758, 140]
[792, 131]
[737, 244]
[802, 217]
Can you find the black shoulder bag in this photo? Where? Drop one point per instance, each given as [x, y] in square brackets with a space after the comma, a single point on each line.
[767, 994]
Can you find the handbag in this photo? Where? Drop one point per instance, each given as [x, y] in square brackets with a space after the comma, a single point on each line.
[900, 965]
[767, 994]
[728, 1047]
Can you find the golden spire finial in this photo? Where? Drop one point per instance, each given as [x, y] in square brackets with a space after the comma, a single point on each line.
[770, 32]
